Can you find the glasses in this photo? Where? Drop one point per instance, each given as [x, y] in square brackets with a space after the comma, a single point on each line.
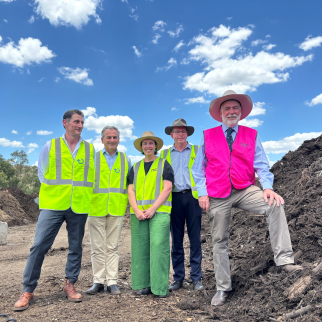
[180, 132]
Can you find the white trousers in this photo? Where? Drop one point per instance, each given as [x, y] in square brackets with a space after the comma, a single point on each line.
[104, 235]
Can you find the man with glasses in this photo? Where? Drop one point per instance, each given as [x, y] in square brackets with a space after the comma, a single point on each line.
[185, 206]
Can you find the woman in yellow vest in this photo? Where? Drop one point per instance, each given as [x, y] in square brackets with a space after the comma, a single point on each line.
[150, 184]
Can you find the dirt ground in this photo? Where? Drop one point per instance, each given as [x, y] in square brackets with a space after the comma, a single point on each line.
[261, 291]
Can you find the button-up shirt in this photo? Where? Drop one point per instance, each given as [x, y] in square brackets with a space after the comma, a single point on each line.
[110, 159]
[180, 165]
[261, 165]
[43, 161]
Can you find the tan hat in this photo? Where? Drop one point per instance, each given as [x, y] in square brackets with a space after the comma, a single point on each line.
[179, 122]
[244, 100]
[148, 135]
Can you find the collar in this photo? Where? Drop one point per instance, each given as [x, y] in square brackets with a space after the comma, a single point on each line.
[79, 141]
[225, 127]
[106, 153]
[188, 146]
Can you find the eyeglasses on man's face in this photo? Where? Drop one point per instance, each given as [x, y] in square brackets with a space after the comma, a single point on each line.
[180, 132]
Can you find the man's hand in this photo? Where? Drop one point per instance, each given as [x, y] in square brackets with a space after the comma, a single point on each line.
[204, 203]
[140, 215]
[268, 193]
[149, 213]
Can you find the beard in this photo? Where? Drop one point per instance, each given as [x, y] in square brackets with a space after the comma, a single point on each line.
[231, 120]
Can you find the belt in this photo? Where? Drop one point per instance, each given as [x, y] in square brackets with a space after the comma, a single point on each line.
[182, 191]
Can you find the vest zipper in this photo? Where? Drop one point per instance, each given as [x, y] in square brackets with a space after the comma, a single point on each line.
[144, 182]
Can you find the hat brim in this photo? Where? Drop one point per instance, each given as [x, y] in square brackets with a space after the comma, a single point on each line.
[190, 129]
[137, 142]
[245, 101]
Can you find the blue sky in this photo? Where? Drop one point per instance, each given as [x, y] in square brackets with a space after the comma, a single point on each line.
[140, 65]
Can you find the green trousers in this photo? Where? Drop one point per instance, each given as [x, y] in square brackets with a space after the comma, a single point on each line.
[150, 253]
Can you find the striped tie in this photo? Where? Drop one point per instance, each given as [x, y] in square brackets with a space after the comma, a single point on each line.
[229, 138]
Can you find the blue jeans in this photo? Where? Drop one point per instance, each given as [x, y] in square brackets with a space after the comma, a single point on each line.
[48, 225]
[185, 209]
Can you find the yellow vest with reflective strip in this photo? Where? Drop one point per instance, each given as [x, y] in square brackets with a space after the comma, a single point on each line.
[148, 187]
[68, 183]
[166, 154]
[110, 190]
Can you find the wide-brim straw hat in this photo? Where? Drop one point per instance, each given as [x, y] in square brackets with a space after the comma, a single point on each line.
[179, 122]
[244, 100]
[148, 135]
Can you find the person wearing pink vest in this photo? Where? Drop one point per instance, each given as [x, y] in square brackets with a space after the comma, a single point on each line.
[224, 174]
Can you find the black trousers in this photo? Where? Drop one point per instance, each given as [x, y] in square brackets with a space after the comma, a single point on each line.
[185, 209]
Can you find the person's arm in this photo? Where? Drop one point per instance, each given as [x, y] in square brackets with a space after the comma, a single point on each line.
[266, 178]
[43, 161]
[164, 195]
[198, 171]
[132, 199]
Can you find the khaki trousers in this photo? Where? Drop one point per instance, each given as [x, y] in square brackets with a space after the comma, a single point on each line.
[250, 199]
[104, 235]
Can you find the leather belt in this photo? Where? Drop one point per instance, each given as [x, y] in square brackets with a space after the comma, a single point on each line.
[182, 191]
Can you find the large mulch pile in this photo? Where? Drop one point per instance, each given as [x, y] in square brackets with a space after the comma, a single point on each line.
[262, 291]
[17, 208]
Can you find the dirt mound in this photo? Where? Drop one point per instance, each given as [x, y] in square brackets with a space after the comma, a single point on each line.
[262, 290]
[17, 208]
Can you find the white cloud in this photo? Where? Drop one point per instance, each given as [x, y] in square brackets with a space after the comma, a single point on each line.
[176, 33]
[42, 132]
[166, 147]
[14, 132]
[33, 145]
[289, 143]
[171, 62]
[185, 61]
[223, 70]
[7, 0]
[41, 79]
[5, 20]
[123, 123]
[132, 15]
[269, 47]
[258, 42]
[136, 158]
[251, 122]
[35, 164]
[76, 74]
[229, 18]
[29, 132]
[28, 51]
[32, 19]
[136, 52]
[175, 109]
[316, 100]
[258, 109]
[68, 13]
[8, 143]
[268, 36]
[194, 100]
[89, 111]
[57, 79]
[178, 46]
[159, 25]
[310, 43]
[30, 150]
[156, 38]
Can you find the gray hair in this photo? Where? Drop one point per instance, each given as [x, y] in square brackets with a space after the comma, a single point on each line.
[109, 127]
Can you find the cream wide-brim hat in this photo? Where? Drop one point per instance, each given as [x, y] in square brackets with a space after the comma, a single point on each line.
[244, 100]
[148, 135]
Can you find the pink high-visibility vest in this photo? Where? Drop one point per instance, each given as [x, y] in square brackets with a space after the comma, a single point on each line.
[224, 167]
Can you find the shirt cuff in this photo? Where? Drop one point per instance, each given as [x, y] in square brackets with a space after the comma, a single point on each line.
[202, 192]
[266, 185]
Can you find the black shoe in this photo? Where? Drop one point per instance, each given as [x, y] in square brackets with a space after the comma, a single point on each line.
[175, 285]
[96, 288]
[160, 296]
[197, 286]
[144, 291]
[113, 289]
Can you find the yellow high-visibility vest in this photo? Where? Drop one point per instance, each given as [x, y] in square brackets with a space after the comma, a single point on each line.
[110, 190]
[166, 154]
[68, 183]
[148, 187]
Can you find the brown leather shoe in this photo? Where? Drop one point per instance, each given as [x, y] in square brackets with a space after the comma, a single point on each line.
[24, 301]
[219, 298]
[291, 268]
[71, 293]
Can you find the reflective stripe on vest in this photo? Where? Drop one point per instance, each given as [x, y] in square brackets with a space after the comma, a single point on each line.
[97, 189]
[166, 154]
[59, 180]
[158, 184]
